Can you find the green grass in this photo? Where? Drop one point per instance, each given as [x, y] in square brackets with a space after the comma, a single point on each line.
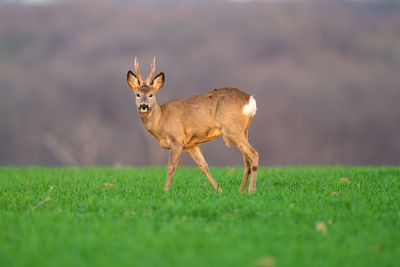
[137, 224]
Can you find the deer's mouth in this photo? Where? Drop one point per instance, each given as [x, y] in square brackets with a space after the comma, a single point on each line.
[143, 108]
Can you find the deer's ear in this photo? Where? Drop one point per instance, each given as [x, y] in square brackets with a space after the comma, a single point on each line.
[132, 80]
[158, 81]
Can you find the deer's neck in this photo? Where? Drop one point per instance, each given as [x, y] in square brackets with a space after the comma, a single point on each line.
[151, 119]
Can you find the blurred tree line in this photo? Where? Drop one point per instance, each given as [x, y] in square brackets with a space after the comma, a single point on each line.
[325, 77]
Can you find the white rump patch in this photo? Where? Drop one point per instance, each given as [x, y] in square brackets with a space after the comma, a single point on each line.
[250, 108]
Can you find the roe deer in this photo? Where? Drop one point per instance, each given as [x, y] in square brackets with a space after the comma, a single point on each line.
[184, 124]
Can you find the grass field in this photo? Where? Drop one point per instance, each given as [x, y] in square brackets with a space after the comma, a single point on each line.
[303, 216]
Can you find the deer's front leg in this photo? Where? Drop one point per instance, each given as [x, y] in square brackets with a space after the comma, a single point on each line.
[197, 156]
[174, 155]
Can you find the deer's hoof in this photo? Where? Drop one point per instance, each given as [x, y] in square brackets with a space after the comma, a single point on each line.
[252, 191]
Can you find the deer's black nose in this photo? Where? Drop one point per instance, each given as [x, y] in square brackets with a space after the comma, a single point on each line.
[144, 106]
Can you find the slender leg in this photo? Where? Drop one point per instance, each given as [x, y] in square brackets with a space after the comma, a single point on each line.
[252, 155]
[174, 155]
[254, 169]
[197, 156]
[245, 174]
[253, 173]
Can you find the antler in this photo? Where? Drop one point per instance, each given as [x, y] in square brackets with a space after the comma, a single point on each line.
[137, 71]
[152, 70]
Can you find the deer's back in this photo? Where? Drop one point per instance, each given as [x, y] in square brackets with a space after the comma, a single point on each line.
[203, 117]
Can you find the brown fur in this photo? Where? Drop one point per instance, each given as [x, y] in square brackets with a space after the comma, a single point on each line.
[184, 124]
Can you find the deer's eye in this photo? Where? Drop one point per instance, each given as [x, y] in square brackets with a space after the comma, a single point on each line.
[137, 95]
[150, 95]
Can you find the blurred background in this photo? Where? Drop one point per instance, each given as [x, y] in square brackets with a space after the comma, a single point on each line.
[326, 77]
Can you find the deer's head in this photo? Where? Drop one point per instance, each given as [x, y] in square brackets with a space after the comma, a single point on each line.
[145, 91]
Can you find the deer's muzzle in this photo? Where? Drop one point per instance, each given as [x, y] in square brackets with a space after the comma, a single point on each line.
[143, 108]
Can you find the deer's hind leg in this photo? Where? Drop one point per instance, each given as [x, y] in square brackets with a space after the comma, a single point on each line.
[250, 155]
[249, 152]
[197, 156]
[246, 161]
[245, 174]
